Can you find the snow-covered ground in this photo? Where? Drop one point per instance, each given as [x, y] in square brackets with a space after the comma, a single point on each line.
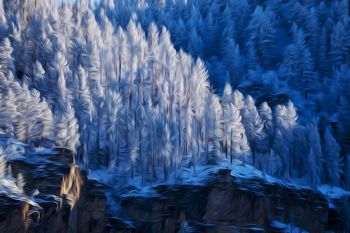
[135, 187]
[288, 228]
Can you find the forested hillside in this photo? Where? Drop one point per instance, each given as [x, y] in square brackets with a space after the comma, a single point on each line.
[148, 88]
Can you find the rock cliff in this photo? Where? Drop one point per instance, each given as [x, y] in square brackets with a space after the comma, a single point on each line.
[58, 197]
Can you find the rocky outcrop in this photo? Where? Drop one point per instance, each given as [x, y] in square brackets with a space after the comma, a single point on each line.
[63, 200]
[58, 197]
[229, 204]
[68, 201]
[14, 214]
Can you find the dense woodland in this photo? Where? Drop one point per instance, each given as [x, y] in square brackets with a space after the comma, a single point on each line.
[147, 88]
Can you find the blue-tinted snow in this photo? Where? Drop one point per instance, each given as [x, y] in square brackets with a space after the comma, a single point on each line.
[134, 187]
[288, 228]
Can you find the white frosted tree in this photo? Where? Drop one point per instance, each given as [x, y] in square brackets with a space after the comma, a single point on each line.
[238, 100]
[237, 143]
[226, 98]
[266, 115]
[166, 151]
[286, 121]
[114, 110]
[8, 112]
[266, 144]
[55, 89]
[3, 167]
[35, 120]
[91, 64]
[6, 60]
[67, 129]
[20, 181]
[214, 131]
[84, 111]
[253, 125]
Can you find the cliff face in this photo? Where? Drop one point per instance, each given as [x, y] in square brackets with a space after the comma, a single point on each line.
[228, 204]
[66, 201]
[69, 202]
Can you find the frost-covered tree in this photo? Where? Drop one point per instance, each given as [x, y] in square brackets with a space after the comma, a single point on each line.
[238, 143]
[212, 129]
[84, 112]
[3, 167]
[286, 121]
[67, 129]
[113, 115]
[266, 115]
[253, 125]
[167, 151]
[6, 63]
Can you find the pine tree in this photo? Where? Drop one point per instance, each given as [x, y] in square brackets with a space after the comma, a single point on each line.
[238, 101]
[67, 129]
[238, 145]
[343, 108]
[314, 160]
[240, 11]
[20, 182]
[340, 44]
[167, 151]
[265, 113]
[6, 60]
[8, 112]
[286, 121]
[298, 65]
[253, 126]
[323, 58]
[331, 158]
[114, 115]
[260, 40]
[234, 63]
[84, 112]
[3, 167]
[265, 146]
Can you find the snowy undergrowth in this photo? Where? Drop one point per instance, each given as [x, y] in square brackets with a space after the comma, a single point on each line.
[135, 187]
[288, 228]
[10, 186]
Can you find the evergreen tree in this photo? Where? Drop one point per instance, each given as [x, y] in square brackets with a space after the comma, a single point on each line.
[331, 158]
[3, 167]
[298, 65]
[340, 44]
[67, 130]
[260, 40]
[253, 125]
